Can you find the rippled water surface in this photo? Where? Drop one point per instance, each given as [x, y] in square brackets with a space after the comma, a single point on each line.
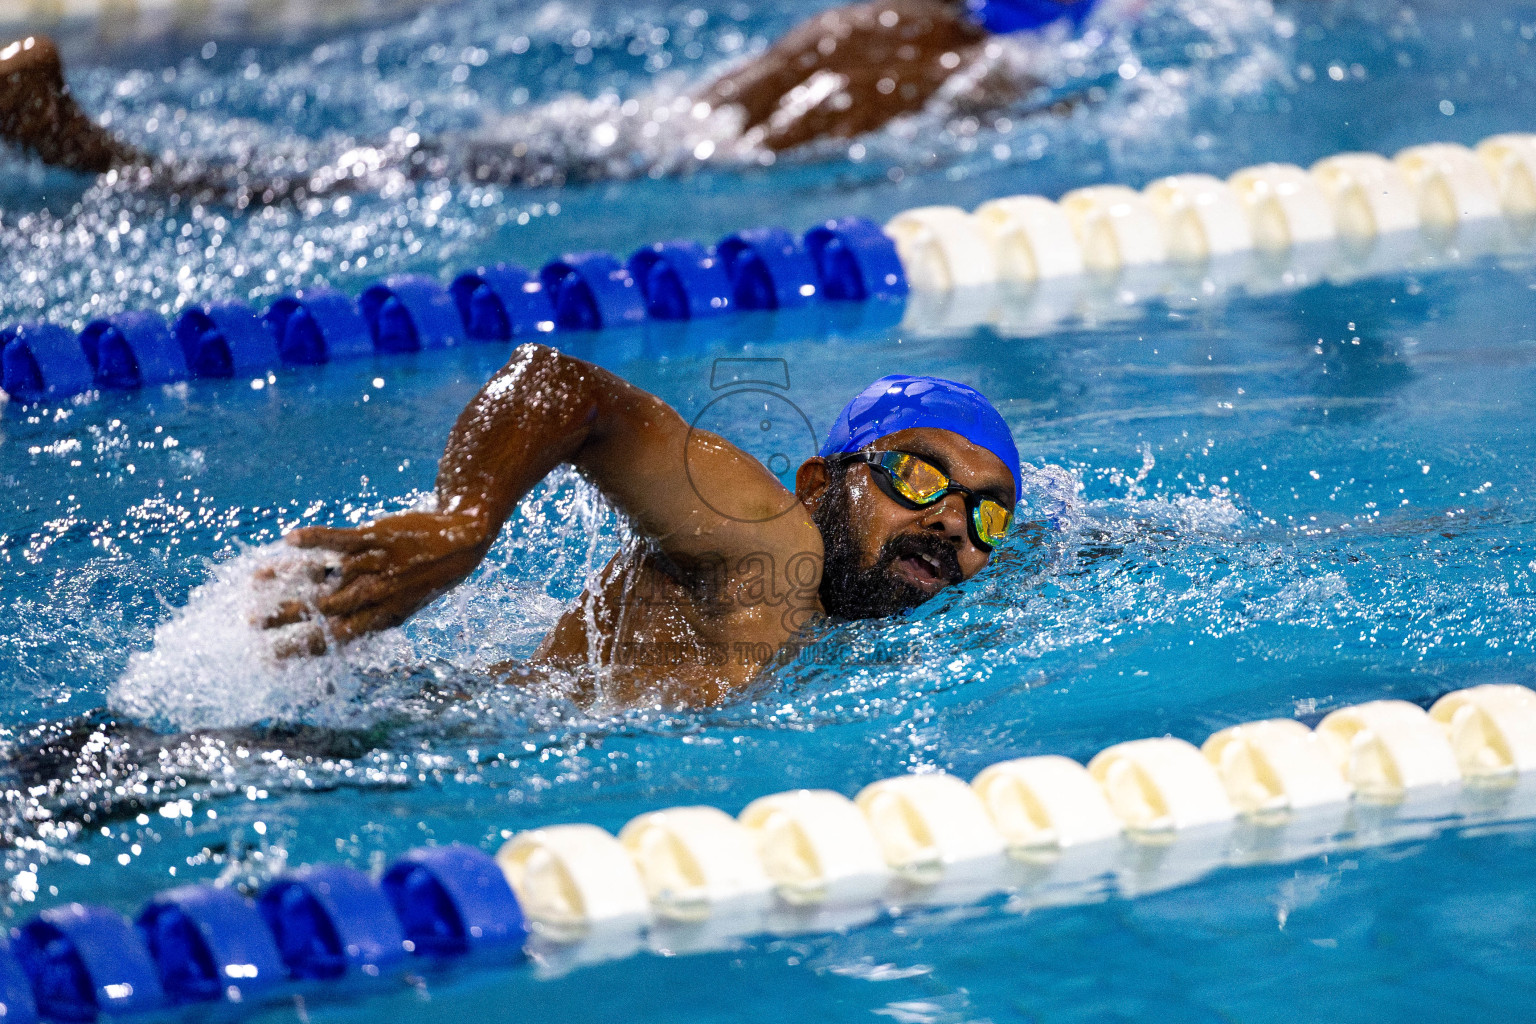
[1245, 506]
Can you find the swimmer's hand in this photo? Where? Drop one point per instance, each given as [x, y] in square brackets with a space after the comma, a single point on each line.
[389, 569]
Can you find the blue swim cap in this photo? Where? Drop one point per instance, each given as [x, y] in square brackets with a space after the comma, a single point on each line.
[1003, 16]
[899, 402]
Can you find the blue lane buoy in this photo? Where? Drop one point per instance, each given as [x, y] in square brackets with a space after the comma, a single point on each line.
[209, 944]
[451, 899]
[680, 280]
[133, 350]
[768, 269]
[855, 261]
[317, 326]
[592, 290]
[43, 361]
[406, 313]
[502, 302]
[17, 1005]
[85, 960]
[330, 919]
[227, 339]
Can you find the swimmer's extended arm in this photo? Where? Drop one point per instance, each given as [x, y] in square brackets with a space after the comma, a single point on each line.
[38, 115]
[543, 409]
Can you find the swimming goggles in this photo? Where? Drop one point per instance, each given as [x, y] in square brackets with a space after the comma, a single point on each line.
[914, 482]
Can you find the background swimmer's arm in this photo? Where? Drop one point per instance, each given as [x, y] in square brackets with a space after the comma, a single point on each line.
[38, 114]
[543, 409]
[850, 70]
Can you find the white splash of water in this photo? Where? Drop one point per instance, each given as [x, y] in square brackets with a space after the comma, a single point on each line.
[212, 665]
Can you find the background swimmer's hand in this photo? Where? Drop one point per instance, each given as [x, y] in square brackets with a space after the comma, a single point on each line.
[389, 569]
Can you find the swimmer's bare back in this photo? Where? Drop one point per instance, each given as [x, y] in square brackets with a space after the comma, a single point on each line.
[850, 70]
[716, 588]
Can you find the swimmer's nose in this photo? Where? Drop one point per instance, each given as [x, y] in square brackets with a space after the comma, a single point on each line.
[948, 519]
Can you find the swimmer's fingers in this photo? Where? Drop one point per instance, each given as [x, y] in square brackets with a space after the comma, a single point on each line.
[374, 560]
[416, 583]
[309, 569]
[310, 643]
[383, 615]
[347, 541]
[287, 614]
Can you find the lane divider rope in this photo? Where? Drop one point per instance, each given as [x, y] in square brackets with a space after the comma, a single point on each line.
[1190, 218]
[1182, 220]
[847, 260]
[690, 878]
[1024, 266]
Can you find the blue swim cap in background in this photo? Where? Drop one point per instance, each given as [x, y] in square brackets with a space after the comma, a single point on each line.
[899, 402]
[1003, 16]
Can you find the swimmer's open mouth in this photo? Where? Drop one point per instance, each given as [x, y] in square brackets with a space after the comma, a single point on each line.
[925, 571]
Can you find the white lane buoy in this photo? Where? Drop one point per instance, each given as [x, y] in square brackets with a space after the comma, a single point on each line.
[1115, 227]
[1450, 183]
[815, 843]
[1511, 160]
[1275, 765]
[1285, 206]
[1046, 801]
[925, 823]
[1156, 785]
[1368, 193]
[1492, 729]
[693, 859]
[573, 875]
[1385, 747]
[1201, 216]
[941, 247]
[1031, 238]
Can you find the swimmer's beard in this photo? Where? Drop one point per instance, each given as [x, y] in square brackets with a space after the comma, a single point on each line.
[852, 591]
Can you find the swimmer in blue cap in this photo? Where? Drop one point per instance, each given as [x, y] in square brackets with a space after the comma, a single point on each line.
[840, 74]
[913, 489]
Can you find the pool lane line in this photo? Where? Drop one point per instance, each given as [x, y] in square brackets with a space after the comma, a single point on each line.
[1141, 816]
[1020, 264]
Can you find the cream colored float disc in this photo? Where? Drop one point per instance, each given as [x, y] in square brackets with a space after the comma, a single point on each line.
[942, 247]
[693, 859]
[815, 844]
[924, 823]
[1451, 183]
[570, 876]
[1201, 217]
[1157, 785]
[1386, 747]
[1275, 765]
[1115, 227]
[1046, 801]
[1368, 193]
[1492, 729]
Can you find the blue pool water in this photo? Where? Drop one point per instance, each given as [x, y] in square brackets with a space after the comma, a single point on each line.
[1249, 506]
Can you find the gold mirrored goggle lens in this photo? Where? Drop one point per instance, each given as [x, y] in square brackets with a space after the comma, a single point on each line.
[919, 481]
[992, 521]
[923, 483]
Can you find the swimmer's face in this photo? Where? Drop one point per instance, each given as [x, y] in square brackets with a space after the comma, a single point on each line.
[883, 558]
